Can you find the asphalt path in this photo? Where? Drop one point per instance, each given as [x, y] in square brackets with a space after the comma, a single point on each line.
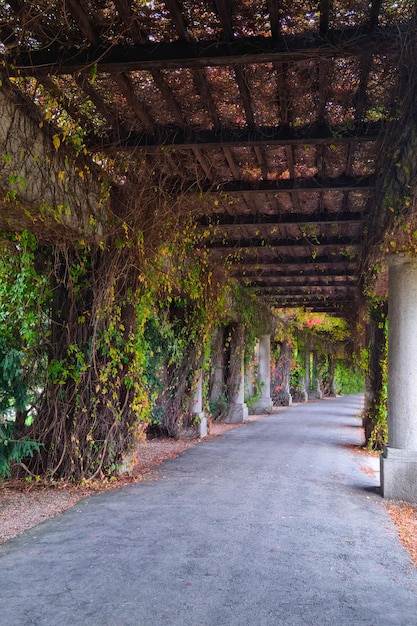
[273, 523]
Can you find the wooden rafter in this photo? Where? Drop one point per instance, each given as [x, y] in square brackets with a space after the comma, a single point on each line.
[138, 107]
[84, 21]
[298, 185]
[160, 55]
[301, 264]
[224, 10]
[324, 8]
[105, 109]
[374, 14]
[290, 219]
[177, 19]
[319, 292]
[273, 243]
[312, 134]
[285, 273]
[125, 11]
[274, 9]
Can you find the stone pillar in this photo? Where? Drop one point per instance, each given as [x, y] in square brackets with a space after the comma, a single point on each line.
[399, 459]
[316, 377]
[264, 403]
[238, 410]
[306, 377]
[218, 358]
[197, 407]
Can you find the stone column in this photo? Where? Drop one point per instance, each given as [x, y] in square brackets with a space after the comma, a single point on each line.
[238, 410]
[316, 377]
[306, 377]
[399, 459]
[264, 403]
[332, 368]
[197, 406]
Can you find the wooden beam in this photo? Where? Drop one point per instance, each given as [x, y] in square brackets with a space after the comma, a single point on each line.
[284, 273]
[275, 11]
[284, 285]
[299, 185]
[313, 134]
[84, 21]
[374, 14]
[268, 244]
[138, 107]
[295, 301]
[197, 54]
[314, 299]
[125, 11]
[324, 16]
[298, 264]
[177, 19]
[286, 219]
[224, 11]
[106, 110]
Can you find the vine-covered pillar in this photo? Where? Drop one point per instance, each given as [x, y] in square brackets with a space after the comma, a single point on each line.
[281, 393]
[316, 390]
[264, 403]
[196, 407]
[399, 459]
[93, 404]
[332, 373]
[306, 377]
[237, 410]
[217, 394]
[374, 421]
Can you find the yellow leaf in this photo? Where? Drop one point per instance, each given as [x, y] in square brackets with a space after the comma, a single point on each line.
[56, 141]
[61, 176]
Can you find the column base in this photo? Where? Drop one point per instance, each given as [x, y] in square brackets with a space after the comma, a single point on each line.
[263, 405]
[399, 474]
[202, 426]
[237, 414]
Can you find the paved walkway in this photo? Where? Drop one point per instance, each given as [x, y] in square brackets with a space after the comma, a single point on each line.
[271, 524]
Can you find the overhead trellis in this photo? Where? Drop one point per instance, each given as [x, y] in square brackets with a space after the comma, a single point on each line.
[272, 109]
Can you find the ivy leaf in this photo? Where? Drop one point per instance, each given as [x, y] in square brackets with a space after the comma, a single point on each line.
[56, 141]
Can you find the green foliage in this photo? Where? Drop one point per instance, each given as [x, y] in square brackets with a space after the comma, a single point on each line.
[297, 374]
[348, 378]
[13, 450]
[24, 323]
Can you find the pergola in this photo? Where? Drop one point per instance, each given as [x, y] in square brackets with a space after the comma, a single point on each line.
[288, 129]
[274, 112]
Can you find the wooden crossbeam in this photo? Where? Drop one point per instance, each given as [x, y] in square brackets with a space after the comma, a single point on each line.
[183, 53]
[306, 290]
[299, 185]
[168, 137]
[297, 301]
[228, 222]
[241, 244]
[300, 274]
[321, 262]
[301, 263]
[284, 285]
